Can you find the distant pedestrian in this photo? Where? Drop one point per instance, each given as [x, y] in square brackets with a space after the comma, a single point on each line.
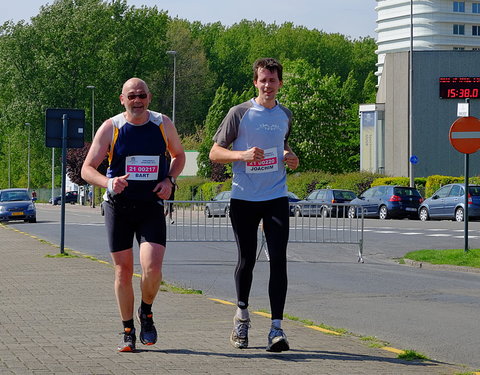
[34, 195]
[257, 132]
[90, 196]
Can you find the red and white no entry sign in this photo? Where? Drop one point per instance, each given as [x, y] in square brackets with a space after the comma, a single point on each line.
[464, 134]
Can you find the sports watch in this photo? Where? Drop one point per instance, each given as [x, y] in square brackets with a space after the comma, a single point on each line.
[172, 180]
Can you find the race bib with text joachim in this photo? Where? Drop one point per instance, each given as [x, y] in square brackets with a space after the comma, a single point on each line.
[142, 167]
[268, 164]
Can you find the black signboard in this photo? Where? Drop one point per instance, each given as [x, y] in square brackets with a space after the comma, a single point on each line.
[54, 118]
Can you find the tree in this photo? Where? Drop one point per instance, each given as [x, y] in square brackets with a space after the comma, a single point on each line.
[323, 135]
[75, 159]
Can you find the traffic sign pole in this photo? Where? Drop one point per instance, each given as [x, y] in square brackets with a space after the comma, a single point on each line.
[465, 211]
[467, 169]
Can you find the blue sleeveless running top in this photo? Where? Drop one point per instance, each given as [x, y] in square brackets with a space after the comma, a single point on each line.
[139, 150]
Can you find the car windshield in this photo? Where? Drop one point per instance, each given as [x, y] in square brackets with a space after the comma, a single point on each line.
[344, 194]
[406, 192]
[292, 195]
[11, 196]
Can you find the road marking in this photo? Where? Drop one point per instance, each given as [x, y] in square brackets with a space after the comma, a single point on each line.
[222, 301]
[261, 313]
[439, 235]
[324, 330]
[393, 350]
[412, 233]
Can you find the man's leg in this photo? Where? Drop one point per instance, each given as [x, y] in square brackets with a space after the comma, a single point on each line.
[151, 260]
[276, 227]
[245, 217]
[123, 263]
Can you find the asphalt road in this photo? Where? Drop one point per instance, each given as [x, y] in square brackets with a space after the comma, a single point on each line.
[431, 311]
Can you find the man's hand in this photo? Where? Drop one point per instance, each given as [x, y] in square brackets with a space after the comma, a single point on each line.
[120, 183]
[253, 154]
[291, 160]
[164, 189]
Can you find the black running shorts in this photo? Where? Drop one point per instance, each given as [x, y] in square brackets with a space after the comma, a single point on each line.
[126, 219]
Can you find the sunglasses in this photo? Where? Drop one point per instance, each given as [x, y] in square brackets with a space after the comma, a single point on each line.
[133, 96]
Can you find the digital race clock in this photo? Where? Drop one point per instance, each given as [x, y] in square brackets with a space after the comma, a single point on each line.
[459, 87]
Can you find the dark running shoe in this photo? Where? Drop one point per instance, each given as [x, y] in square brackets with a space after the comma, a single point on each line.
[239, 336]
[148, 333]
[277, 341]
[128, 341]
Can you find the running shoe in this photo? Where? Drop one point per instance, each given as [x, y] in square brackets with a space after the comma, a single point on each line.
[128, 341]
[148, 333]
[277, 340]
[239, 336]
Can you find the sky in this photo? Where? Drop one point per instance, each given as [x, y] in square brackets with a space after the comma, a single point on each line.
[353, 18]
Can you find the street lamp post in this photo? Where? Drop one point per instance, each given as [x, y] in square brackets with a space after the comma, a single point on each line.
[93, 134]
[174, 53]
[28, 157]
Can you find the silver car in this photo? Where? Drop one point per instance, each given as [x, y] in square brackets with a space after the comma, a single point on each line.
[219, 206]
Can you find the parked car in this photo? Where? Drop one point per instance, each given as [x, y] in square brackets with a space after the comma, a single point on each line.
[292, 198]
[387, 201]
[70, 197]
[321, 203]
[448, 202]
[16, 204]
[219, 206]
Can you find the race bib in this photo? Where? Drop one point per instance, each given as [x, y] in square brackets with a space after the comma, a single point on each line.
[267, 165]
[142, 167]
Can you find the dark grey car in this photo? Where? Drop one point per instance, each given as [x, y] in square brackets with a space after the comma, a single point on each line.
[325, 202]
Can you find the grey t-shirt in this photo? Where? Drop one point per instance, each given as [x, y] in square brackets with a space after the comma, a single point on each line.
[252, 125]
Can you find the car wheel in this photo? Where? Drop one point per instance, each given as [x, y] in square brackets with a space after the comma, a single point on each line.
[298, 212]
[459, 214]
[383, 213]
[207, 212]
[351, 212]
[424, 214]
[324, 211]
[34, 220]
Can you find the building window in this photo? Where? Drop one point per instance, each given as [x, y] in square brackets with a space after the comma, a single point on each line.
[459, 29]
[459, 48]
[476, 30]
[459, 6]
[475, 49]
[475, 7]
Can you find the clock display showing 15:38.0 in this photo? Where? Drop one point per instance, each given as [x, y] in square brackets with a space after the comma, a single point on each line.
[462, 93]
[459, 87]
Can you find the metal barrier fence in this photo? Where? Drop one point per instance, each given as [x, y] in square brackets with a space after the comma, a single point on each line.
[208, 221]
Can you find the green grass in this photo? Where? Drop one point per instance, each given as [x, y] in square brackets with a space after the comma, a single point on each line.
[165, 287]
[60, 255]
[373, 342]
[412, 355]
[311, 323]
[455, 257]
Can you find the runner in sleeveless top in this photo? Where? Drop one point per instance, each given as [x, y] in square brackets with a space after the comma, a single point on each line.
[138, 179]
[257, 132]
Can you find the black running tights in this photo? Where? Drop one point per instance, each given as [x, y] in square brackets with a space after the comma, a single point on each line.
[246, 217]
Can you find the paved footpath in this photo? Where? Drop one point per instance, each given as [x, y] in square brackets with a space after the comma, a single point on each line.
[59, 316]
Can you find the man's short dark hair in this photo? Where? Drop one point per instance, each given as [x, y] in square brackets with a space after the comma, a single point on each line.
[267, 63]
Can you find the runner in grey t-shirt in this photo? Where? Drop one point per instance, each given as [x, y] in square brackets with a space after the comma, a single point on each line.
[258, 131]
